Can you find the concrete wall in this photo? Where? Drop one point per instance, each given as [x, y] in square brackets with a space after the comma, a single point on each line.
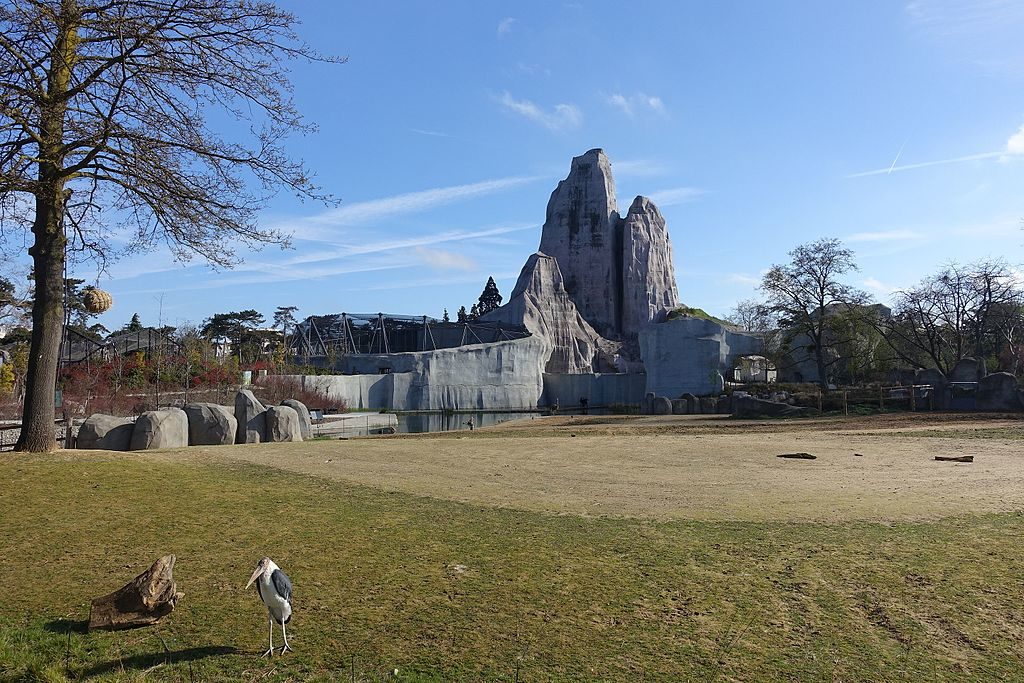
[477, 377]
[600, 390]
[691, 355]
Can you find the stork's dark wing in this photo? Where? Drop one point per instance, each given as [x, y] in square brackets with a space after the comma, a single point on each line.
[282, 584]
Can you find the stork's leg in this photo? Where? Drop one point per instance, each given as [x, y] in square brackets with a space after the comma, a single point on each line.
[269, 652]
[287, 647]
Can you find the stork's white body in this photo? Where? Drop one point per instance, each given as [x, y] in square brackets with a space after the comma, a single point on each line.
[275, 591]
[279, 607]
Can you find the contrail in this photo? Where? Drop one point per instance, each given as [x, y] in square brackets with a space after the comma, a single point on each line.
[924, 164]
[898, 155]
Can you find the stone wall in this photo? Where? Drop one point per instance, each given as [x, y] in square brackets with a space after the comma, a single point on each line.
[600, 390]
[691, 355]
[477, 377]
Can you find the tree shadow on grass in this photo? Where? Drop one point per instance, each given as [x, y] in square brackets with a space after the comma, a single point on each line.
[147, 661]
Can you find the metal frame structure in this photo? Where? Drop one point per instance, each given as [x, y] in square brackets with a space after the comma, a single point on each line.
[343, 334]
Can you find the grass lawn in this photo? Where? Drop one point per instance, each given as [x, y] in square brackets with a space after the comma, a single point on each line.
[449, 591]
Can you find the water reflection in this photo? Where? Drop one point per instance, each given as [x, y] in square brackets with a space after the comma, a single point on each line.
[416, 423]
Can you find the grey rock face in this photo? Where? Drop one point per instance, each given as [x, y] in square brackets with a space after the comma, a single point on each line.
[540, 303]
[584, 234]
[105, 432]
[618, 271]
[305, 421]
[282, 423]
[210, 424]
[160, 429]
[968, 370]
[249, 412]
[998, 391]
[648, 271]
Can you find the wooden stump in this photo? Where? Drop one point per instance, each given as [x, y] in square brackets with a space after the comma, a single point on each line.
[143, 601]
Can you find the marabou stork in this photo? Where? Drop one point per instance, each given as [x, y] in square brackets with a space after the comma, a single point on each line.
[275, 591]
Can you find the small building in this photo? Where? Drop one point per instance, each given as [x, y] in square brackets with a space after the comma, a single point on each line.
[757, 369]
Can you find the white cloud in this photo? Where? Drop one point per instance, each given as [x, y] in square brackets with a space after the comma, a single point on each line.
[505, 25]
[432, 133]
[676, 195]
[445, 260]
[638, 102]
[744, 279]
[562, 117]
[324, 226]
[640, 168]
[877, 287]
[1015, 145]
[884, 236]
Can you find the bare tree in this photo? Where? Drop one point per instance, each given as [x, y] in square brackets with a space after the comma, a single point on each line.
[105, 109]
[804, 292]
[962, 310]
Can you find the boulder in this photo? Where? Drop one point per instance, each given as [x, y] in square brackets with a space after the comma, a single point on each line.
[160, 429]
[250, 414]
[998, 391]
[105, 432]
[692, 403]
[725, 405]
[305, 421]
[968, 370]
[749, 406]
[282, 424]
[709, 405]
[210, 424]
[647, 404]
[661, 405]
[680, 406]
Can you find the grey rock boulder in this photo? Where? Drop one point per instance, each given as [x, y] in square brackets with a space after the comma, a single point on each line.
[160, 429]
[661, 406]
[305, 420]
[251, 417]
[282, 424]
[210, 424]
[105, 432]
[968, 370]
[934, 378]
[998, 391]
[709, 405]
[680, 406]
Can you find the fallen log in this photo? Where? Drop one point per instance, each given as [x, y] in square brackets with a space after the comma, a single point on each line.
[955, 458]
[797, 456]
[143, 601]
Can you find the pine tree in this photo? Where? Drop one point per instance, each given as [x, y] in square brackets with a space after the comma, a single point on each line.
[490, 298]
[445, 318]
[462, 315]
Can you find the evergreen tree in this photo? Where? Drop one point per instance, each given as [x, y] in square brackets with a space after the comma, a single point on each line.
[445, 318]
[462, 316]
[134, 325]
[490, 298]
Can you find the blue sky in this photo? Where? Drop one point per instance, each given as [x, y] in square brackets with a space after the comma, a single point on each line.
[897, 127]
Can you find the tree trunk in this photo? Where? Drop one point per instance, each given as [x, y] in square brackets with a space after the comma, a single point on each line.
[143, 601]
[48, 251]
[37, 422]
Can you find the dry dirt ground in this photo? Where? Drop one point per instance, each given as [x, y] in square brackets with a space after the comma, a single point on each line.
[685, 467]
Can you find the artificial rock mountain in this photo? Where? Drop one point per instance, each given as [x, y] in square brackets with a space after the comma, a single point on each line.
[598, 277]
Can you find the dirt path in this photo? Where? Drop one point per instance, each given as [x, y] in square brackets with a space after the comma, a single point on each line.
[734, 475]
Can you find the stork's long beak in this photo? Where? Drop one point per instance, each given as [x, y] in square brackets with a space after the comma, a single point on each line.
[259, 570]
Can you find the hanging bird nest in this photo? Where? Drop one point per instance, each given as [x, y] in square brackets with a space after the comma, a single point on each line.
[97, 301]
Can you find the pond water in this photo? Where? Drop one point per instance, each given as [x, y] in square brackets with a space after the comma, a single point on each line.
[416, 423]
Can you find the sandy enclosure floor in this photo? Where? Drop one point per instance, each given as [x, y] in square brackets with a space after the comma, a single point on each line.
[729, 474]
